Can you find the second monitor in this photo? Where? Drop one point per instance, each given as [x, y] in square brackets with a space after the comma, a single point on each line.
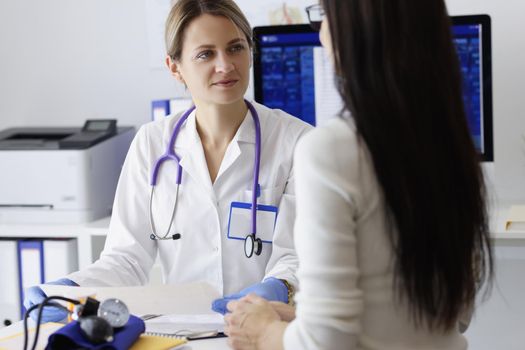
[292, 73]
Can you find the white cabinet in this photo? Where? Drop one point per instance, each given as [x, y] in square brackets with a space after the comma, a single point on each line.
[90, 236]
[64, 249]
[9, 287]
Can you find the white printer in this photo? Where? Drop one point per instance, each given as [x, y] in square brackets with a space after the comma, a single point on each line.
[61, 175]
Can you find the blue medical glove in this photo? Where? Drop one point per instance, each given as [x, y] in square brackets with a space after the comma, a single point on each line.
[35, 295]
[271, 289]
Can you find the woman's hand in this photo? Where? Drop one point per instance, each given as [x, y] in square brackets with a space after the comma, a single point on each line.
[286, 312]
[253, 324]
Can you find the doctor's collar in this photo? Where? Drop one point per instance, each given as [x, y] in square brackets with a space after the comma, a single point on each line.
[246, 131]
[189, 135]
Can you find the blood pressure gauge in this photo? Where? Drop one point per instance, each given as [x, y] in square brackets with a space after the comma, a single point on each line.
[114, 311]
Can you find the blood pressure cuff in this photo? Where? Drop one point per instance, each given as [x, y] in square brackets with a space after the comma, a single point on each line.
[70, 337]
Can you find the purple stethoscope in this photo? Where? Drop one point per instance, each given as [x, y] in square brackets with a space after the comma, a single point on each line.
[252, 244]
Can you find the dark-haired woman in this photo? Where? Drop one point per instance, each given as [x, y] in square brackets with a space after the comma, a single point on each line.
[391, 228]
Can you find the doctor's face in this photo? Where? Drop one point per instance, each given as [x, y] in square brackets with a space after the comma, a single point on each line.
[215, 60]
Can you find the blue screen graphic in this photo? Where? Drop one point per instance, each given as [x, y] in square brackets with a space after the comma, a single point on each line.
[468, 44]
[287, 62]
[288, 74]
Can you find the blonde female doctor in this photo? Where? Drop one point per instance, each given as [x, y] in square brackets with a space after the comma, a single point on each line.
[189, 182]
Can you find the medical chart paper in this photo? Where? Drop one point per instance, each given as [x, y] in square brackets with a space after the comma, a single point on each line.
[183, 299]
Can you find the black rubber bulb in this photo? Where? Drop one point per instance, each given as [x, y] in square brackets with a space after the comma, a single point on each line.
[96, 329]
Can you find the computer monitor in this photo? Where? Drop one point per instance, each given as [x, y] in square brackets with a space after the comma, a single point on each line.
[472, 36]
[292, 72]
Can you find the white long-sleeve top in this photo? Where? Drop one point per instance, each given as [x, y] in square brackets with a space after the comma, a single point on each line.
[346, 261]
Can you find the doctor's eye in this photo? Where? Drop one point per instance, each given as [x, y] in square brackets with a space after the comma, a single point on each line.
[204, 55]
[237, 48]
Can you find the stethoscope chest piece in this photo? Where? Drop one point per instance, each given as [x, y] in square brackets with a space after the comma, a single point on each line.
[174, 237]
[252, 245]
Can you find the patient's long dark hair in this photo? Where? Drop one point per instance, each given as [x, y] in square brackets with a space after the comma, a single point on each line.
[399, 77]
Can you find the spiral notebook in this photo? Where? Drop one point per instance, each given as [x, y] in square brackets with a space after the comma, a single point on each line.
[185, 326]
[147, 342]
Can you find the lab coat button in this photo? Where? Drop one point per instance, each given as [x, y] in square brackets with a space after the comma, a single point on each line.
[216, 249]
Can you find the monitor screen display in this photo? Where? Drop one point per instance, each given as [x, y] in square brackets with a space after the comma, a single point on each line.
[471, 35]
[468, 44]
[288, 74]
[292, 72]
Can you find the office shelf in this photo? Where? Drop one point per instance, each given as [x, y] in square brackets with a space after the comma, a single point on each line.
[89, 236]
[500, 234]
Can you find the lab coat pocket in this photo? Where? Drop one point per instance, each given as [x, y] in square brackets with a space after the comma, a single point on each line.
[269, 196]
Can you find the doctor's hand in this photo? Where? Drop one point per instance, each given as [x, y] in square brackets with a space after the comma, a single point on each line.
[35, 295]
[253, 324]
[271, 289]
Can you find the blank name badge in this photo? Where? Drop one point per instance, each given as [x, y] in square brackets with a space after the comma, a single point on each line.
[240, 221]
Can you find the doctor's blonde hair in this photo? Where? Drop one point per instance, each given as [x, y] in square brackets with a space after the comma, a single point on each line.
[184, 12]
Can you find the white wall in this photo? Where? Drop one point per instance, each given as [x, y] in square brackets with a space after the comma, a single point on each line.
[498, 321]
[62, 61]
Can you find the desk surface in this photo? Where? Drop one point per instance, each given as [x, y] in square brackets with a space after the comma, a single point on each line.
[206, 344]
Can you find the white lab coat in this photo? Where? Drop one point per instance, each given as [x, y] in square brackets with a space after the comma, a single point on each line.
[203, 253]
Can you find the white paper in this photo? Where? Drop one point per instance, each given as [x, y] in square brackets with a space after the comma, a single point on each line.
[328, 102]
[190, 298]
[185, 324]
[274, 12]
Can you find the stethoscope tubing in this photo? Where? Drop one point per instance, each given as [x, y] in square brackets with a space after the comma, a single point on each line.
[170, 151]
[170, 154]
[257, 163]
